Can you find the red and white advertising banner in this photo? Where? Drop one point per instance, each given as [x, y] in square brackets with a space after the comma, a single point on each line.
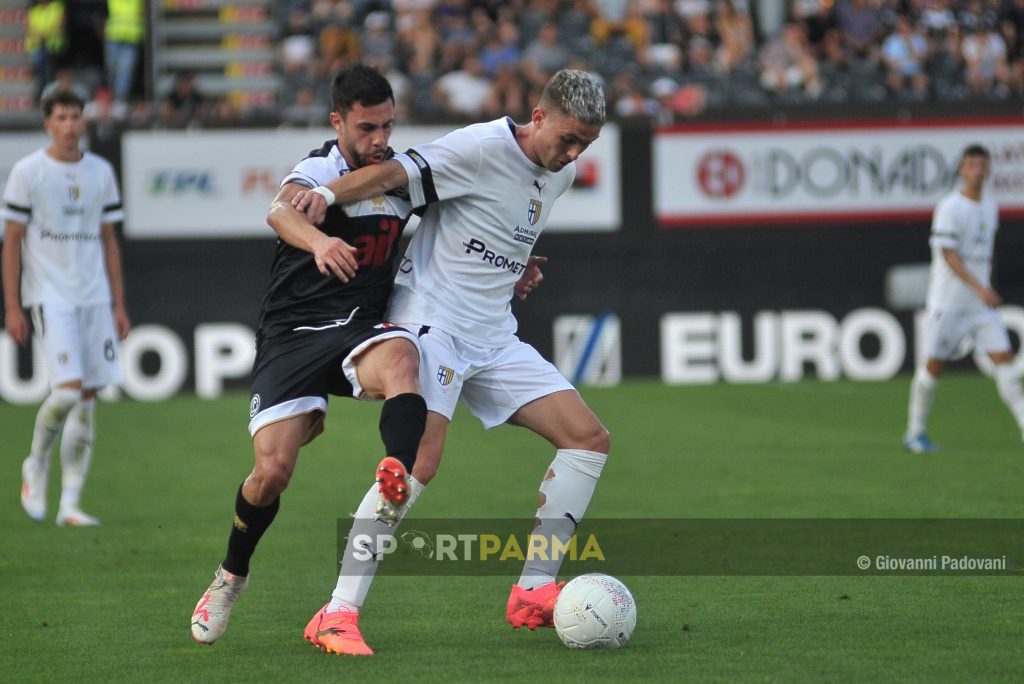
[215, 184]
[707, 175]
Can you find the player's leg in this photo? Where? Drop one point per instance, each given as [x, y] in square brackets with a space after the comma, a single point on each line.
[276, 450]
[57, 330]
[992, 339]
[582, 444]
[289, 400]
[944, 334]
[517, 385]
[100, 367]
[387, 367]
[335, 627]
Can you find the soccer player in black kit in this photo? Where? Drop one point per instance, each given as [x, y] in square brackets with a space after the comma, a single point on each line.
[321, 332]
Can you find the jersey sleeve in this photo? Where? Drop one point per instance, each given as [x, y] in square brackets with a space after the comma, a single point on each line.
[945, 231]
[112, 210]
[17, 203]
[311, 172]
[443, 169]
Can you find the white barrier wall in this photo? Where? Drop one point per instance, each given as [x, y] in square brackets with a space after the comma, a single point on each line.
[216, 184]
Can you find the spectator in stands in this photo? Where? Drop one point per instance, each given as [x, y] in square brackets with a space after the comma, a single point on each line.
[501, 48]
[984, 54]
[45, 39]
[544, 56]
[65, 79]
[787, 66]
[1011, 26]
[305, 109]
[619, 17]
[904, 53]
[104, 115]
[666, 35]
[735, 33]
[507, 96]
[184, 106]
[122, 44]
[377, 41]
[463, 93]
[860, 24]
[298, 46]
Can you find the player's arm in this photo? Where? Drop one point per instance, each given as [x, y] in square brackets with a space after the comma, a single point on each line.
[333, 255]
[531, 278]
[14, 317]
[360, 184]
[115, 275]
[956, 264]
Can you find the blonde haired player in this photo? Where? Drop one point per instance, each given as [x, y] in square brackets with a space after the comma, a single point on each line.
[61, 260]
[961, 301]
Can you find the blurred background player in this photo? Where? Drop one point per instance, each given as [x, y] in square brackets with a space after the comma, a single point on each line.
[488, 190]
[321, 332]
[61, 260]
[961, 301]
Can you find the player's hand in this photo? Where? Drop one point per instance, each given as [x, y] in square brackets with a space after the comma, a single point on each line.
[122, 323]
[531, 278]
[990, 297]
[334, 255]
[17, 325]
[311, 204]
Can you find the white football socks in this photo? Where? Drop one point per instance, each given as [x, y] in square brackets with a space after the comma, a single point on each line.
[922, 393]
[566, 491]
[49, 424]
[76, 451]
[359, 564]
[1008, 382]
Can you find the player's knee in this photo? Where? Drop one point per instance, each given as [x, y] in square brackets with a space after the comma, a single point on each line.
[269, 480]
[402, 370]
[599, 440]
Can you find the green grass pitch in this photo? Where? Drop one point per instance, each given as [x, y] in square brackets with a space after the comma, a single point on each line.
[113, 603]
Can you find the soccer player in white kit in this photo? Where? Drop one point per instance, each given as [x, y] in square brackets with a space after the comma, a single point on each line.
[488, 190]
[961, 301]
[62, 262]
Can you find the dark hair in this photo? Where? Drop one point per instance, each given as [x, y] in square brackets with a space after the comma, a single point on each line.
[975, 150]
[361, 84]
[65, 97]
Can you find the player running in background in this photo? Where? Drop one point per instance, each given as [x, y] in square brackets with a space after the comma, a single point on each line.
[322, 331]
[62, 261]
[488, 190]
[961, 302]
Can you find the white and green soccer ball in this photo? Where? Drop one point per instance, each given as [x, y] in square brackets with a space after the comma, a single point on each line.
[595, 611]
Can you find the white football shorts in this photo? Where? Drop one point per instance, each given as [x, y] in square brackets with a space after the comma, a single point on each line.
[492, 383]
[79, 343]
[951, 335]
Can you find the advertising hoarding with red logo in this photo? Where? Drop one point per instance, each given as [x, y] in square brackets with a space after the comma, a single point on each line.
[706, 175]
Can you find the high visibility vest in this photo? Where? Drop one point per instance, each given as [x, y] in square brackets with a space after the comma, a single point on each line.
[45, 27]
[125, 21]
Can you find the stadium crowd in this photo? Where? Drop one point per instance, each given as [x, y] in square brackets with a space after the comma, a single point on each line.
[666, 59]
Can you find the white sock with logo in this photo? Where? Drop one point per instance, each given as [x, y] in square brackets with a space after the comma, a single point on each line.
[76, 451]
[1008, 382]
[359, 564]
[50, 423]
[922, 393]
[566, 492]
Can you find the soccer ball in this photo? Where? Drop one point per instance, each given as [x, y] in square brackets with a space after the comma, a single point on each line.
[595, 611]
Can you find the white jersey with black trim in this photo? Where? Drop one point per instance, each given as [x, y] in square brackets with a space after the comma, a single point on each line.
[63, 206]
[487, 203]
[968, 227]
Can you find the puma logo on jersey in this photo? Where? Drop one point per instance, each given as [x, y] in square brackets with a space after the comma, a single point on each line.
[540, 186]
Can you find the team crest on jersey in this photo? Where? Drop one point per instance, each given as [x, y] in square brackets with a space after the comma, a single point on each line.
[445, 375]
[74, 192]
[378, 204]
[533, 213]
[254, 406]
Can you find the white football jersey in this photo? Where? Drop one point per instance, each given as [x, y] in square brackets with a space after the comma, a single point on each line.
[63, 206]
[969, 227]
[487, 204]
